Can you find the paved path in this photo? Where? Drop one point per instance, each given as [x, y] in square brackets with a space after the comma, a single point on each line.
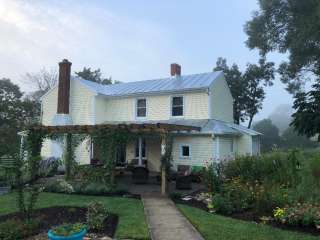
[166, 222]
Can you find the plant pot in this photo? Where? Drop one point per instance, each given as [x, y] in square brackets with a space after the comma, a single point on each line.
[77, 236]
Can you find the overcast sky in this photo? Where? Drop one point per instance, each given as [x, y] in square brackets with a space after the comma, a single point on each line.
[128, 40]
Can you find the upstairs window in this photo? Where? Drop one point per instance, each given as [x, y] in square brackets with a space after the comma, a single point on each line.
[141, 110]
[177, 106]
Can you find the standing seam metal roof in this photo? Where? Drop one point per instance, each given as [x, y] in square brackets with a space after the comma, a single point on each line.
[171, 84]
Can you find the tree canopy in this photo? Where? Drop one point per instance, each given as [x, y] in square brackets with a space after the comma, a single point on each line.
[270, 138]
[94, 76]
[247, 88]
[290, 27]
[15, 113]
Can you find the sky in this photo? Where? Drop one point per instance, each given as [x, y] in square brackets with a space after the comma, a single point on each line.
[128, 40]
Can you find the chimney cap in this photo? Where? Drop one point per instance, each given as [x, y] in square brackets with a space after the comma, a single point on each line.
[65, 61]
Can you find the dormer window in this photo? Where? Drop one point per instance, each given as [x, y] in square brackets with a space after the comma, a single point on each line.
[177, 106]
[141, 110]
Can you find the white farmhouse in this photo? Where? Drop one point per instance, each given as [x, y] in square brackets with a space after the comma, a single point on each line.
[202, 100]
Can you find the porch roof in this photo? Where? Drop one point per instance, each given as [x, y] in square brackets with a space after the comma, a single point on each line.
[133, 127]
[204, 126]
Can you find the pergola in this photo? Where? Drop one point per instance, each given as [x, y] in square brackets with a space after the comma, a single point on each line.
[161, 129]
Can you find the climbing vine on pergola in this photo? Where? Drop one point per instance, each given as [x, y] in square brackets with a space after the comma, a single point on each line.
[109, 137]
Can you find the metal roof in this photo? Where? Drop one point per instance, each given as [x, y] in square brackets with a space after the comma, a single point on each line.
[184, 83]
[208, 126]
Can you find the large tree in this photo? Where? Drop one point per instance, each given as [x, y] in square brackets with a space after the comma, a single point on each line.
[290, 27]
[270, 138]
[94, 76]
[247, 88]
[306, 119]
[15, 113]
[41, 81]
[291, 139]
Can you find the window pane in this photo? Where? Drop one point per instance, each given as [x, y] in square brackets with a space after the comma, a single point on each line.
[185, 151]
[141, 112]
[143, 150]
[141, 103]
[177, 111]
[177, 101]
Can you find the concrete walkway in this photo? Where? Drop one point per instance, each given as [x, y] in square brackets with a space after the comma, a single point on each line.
[166, 222]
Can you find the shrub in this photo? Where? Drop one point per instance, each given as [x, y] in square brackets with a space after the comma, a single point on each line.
[175, 195]
[59, 186]
[305, 214]
[68, 229]
[211, 176]
[89, 173]
[222, 204]
[49, 167]
[96, 215]
[95, 188]
[14, 229]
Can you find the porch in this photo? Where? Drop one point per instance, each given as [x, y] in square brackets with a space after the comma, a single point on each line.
[109, 138]
[153, 185]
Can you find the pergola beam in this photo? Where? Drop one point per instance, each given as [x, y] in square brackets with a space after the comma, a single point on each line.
[134, 127]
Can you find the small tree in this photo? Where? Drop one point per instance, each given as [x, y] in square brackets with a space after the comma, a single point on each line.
[26, 183]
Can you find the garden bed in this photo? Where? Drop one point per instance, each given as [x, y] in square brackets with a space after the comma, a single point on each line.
[249, 216]
[53, 216]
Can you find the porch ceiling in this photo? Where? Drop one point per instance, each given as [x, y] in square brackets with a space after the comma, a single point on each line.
[133, 127]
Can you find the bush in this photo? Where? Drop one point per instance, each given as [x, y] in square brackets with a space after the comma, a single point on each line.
[305, 214]
[95, 188]
[96, 215]
[49, 167]
[16, 229]
[211, 177]
[176, 195]
[89, 173]
[59, 186]
[222, 204]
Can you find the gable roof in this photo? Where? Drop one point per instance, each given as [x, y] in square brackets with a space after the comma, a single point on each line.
[183, 83]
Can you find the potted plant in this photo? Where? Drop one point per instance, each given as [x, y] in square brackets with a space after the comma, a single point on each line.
[75, 231]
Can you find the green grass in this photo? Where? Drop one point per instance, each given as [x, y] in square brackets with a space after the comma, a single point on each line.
[132, 222]
[217, 227]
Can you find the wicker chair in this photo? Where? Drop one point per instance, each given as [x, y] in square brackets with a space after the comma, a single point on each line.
[184, 179]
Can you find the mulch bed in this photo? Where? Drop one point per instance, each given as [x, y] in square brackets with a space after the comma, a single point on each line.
[249, 216]
[54, 216]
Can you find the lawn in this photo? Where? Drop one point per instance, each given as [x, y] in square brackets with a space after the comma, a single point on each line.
[217, 227]
[132, 222]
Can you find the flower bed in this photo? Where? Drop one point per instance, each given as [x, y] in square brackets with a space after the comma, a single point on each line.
[46, 218]
[295, 218]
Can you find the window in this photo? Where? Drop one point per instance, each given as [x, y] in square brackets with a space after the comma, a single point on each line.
[177, 106]
[185, 151]
[141, 108]
[143, 148]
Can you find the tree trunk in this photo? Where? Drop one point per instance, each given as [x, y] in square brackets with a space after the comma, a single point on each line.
[250, 121]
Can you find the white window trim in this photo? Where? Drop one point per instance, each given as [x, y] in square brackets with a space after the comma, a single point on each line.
[183, 106]
[137, 157]
[180, 151]
[136, 109]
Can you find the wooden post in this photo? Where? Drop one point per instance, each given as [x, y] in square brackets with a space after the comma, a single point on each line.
[164, 183]
[140, 152]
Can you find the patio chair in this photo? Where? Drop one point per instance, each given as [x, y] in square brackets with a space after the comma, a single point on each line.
[140, 175]
[184, 178]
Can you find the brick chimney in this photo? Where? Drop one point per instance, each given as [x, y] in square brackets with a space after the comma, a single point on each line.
[63, 117]
[64, 87]
[175, 69]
